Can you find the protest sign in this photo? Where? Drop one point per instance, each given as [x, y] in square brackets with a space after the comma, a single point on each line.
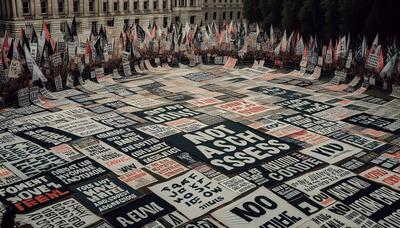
[105, 193]
[279, 92]
[47, 136]
[193, 194]
[83, 127]
[281, 169]
[106, 155]
[331, 151]
[140, 212]
[166, 113]
[243, 107]
[304, 105]
[261, 208]
[375, 122]
[78, 171]
[231, 147]
[33, 193]
[137, 178]
[66, 213]
[166, 168]
[145, 149]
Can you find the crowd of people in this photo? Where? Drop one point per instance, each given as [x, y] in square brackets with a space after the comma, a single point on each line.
[40, 59]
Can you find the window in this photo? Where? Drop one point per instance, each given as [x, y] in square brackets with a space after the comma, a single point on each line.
[28, 28]
[25, 7]
[164, 4]
[177, 19]
[223, 15]
[94, 25]
[137, 20]
[61, 6]
[116, 6]
[146, 5]
[125, 5]
[238, 15]
[49, 27]
[231, 15]
[43, 6]
[76, 6]
[165, 22]
[192, 19]
[205, 1]
[215, 16]
[155, 5]
[135, 5]
[110, 22]
[126, 22]
[62, 27]
[91, 5]
[191, 2]
[105, 6]
[206, 16]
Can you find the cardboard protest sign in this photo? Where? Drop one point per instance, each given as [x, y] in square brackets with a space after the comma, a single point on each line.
[140, 212]
[193, 194]
[23, 97]
[105, 193]
[66, 213]
[167, 113]
[258, 209]
[201, 102]
[78, 171]
[200, 76]
[186, 124]
[281, 169]
[231, 147]
[158, 130]
[33, 193]
[304, 105]
[375, 122]
[144, 148]
[47, 136]
[331, 151]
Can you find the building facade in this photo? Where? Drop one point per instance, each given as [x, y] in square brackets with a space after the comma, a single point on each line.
[29, 14]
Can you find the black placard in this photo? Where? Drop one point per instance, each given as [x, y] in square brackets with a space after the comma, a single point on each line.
[377, 202]
[78, 171]
[279, 92]
[105, 193]
[304, 105]
[33, 193]
[140, 212]
[231, 147]
[375, 122]
[167, 113]
[145, 149]
[281, 169]
[47, 137]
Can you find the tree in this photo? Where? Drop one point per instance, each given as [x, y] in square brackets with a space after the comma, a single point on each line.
[251, 11]
[332, 20]
[290, 14]
[311, 18]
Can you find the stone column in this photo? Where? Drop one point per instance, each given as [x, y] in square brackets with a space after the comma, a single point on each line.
[111, 6]
[141, 5]
[130, 6]
[121, 6]
[14, 9]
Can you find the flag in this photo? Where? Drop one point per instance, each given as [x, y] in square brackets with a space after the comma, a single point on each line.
[5, 48]
[284, 43]
[74, 28]
[141, 35]
[34, 37]
[388, 69]
[25, 39]
[271, 35]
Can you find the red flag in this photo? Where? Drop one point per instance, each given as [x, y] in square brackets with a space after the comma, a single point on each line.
[6, 47]
[88, 49]
[46, 31]
[381, 62]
